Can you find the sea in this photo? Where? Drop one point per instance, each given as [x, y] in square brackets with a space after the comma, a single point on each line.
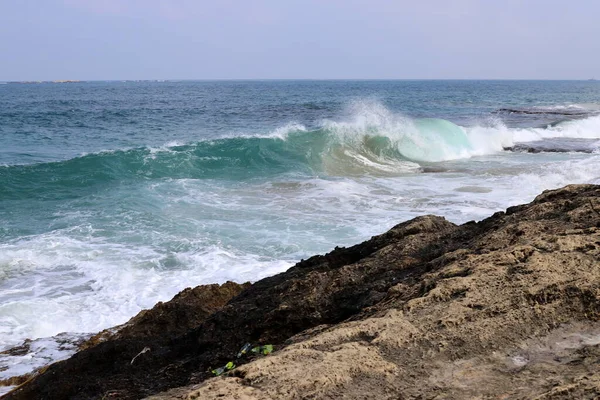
[117, 195]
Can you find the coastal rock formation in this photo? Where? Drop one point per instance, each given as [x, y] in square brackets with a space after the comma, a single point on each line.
[508, 307]
[188, 309]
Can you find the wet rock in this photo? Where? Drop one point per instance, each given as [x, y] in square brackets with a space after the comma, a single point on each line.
[149, 328]
[185, 311]
[507, 307]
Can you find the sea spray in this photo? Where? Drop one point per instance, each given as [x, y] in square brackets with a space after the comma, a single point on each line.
[116, 196]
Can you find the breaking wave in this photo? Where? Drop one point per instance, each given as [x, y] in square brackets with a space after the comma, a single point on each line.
[373, 140]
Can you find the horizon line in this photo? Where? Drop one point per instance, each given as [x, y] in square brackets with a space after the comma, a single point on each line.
[282, 79]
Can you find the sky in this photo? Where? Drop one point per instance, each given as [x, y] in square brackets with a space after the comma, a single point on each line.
[299, 39]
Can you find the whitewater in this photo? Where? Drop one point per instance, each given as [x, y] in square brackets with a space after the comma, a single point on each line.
[114, 196]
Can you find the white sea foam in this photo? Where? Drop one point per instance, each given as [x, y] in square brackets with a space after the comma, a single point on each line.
[283, 131]
[439, 140]
[418, 140]
[588, 128]
[86, 277]
[586, 107]
[54, 283]
[77, 280]
[34, 354]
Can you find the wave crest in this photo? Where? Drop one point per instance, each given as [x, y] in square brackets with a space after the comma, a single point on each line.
[373, 140]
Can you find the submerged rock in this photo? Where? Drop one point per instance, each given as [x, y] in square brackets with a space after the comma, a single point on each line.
[504, 308]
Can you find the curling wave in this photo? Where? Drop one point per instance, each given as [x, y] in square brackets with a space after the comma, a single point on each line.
[373, 141]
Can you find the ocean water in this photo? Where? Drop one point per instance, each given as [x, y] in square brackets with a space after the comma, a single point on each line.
[117, 195]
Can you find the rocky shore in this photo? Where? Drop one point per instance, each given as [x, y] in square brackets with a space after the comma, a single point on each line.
[508, 307]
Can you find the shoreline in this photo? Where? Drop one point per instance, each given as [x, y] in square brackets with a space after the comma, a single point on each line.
[428, 308]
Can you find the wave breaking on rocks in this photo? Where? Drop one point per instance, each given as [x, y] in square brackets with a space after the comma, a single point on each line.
[507, 307]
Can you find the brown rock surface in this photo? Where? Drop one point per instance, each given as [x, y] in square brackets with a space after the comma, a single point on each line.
[185, 311]
[504, 308]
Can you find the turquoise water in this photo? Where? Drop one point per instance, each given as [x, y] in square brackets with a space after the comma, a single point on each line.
[116, 195]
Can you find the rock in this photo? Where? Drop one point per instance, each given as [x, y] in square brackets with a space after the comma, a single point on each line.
[185, 311]
[508, 307]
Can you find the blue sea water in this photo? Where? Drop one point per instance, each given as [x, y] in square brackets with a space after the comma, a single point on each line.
[117, 195]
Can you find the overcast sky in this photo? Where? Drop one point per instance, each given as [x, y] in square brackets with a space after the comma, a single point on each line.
[368, 39]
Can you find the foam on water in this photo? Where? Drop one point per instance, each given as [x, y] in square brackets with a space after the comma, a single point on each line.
[53, 283]
[101, 236]
[434, 140]
[587, 128]
[373, 139]
[60, 282]
[37, 353]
